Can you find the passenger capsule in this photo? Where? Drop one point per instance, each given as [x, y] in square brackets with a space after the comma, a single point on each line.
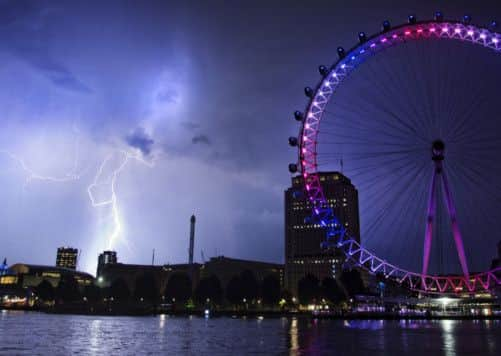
[439, 16]
[293, 141]
[466, 19]
[323, 70]
[362, 37]
[340, 52]
[298, 115]
[386, 26]
[308, 92]
[412, 19]
[293, 168]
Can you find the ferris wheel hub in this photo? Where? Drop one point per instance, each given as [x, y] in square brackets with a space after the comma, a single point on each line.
[437, 150]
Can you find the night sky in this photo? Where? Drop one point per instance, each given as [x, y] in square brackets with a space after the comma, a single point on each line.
[183, 107]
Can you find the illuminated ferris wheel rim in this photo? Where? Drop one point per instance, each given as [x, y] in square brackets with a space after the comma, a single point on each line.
[319, 98]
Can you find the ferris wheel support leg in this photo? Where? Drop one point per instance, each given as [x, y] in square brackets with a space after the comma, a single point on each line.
[429, 224]
[455, 227]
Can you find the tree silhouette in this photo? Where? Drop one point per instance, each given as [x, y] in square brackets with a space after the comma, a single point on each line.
[67, 289]
[45, 291]
[146, 288]
[352, 282]
[270, 288]
[119, 290]
[331, 290]
[93, 293]
[308, 289]
[209, 288]
[178, 288]
[234, 290]
[250, 287]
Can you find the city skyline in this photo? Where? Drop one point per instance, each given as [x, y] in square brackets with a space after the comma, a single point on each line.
[167, 121]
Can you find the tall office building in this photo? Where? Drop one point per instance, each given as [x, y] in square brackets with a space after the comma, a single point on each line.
[105, 258]
[67, 257]
[303, 238]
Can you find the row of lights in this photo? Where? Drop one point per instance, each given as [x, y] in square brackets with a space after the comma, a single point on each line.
[386, 26]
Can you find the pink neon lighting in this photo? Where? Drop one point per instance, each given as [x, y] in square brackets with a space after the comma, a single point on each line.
[407, 33]
[416, 281]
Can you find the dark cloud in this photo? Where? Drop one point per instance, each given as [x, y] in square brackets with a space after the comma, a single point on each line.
[202, 139]
[141, 140]
[24, 31]
[57, 73]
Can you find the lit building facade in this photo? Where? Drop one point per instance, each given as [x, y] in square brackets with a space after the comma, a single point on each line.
[29, 276]
[67, 257]
[303, 237]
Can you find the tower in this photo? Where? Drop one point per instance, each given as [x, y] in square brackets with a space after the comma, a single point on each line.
[67, 257]
[192, 238]
[303, 237]
[106, 258]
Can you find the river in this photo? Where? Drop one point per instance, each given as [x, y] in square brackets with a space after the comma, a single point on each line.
[31, 333]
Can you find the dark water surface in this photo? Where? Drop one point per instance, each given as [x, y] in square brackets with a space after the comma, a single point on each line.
[29, 333]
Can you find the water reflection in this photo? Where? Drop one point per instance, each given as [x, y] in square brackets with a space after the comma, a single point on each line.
[37, 333]
[448, 337]
[294, 335]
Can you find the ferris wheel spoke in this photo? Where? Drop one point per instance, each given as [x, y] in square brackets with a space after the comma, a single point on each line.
[383, 114]
[391, 91]
[378, 127]
[350, 124]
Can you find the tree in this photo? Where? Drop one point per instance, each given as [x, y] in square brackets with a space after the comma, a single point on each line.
[119, 290]
[93, 293]
[331, 290]
[308, 289]
[250, 286]
[67, 289]
[352, 282]
[209, 288]
[234, 290]
[270, 290]
[45, 291]
[146, 288]
[179, 288]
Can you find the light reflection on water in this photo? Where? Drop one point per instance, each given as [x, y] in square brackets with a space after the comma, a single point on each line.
[37, 333]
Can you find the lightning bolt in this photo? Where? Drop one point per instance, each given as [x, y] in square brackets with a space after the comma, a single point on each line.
[102, 179]
[31, 175]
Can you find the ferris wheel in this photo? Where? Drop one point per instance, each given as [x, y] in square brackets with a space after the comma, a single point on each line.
[412, 115]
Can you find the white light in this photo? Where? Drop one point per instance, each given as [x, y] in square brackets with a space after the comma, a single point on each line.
[470, 33]
[445, 301]
[483, 36]
[495, 40]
